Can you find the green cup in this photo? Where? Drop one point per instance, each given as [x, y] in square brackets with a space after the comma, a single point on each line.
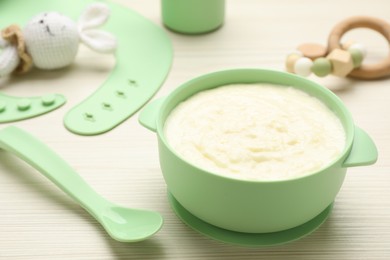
[255, 206]
[193, 16]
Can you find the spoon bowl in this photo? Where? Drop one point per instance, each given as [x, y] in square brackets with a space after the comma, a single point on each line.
[130, 225]
[122, 224]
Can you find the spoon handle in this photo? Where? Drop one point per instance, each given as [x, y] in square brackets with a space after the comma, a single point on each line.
[42, 158]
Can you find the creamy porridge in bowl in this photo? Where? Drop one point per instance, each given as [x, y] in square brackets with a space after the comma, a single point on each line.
[255, 132]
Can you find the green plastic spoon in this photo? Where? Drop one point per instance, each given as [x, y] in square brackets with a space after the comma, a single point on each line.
[123, 224]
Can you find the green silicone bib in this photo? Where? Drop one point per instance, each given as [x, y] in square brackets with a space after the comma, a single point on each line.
[143, 60]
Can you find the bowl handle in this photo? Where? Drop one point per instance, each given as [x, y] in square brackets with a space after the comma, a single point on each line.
[148, 115]
[363, 152]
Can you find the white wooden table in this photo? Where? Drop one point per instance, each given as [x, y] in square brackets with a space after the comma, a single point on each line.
[38, 221]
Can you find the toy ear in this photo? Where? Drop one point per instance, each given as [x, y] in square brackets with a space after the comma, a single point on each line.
[94, 16]
[99, 41]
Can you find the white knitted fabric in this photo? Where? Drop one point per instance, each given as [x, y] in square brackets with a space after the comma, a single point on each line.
[9, 58]
[52, 40]
[3, 44]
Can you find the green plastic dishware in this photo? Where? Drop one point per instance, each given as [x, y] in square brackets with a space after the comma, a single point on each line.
[20, 108]
[143, 60]
[248, 239]
[122, 224]
[255, 206]
[193, 16]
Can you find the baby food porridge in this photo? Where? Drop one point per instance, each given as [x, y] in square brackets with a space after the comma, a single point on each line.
[255, 132]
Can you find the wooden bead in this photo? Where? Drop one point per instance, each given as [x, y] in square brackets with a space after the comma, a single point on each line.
[312, 50]
[303, 66]
[342, 63]
[290, 61]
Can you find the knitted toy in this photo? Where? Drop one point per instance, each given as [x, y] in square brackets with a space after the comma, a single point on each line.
[51, 40]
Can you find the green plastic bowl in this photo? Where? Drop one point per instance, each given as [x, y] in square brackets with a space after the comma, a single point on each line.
[255, 206]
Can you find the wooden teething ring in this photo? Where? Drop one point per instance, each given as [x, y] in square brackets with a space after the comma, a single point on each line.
[365, 71]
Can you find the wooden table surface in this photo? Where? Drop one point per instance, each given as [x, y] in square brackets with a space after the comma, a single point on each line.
[38, 221]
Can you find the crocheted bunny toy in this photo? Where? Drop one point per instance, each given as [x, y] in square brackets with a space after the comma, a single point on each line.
[51, 40]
